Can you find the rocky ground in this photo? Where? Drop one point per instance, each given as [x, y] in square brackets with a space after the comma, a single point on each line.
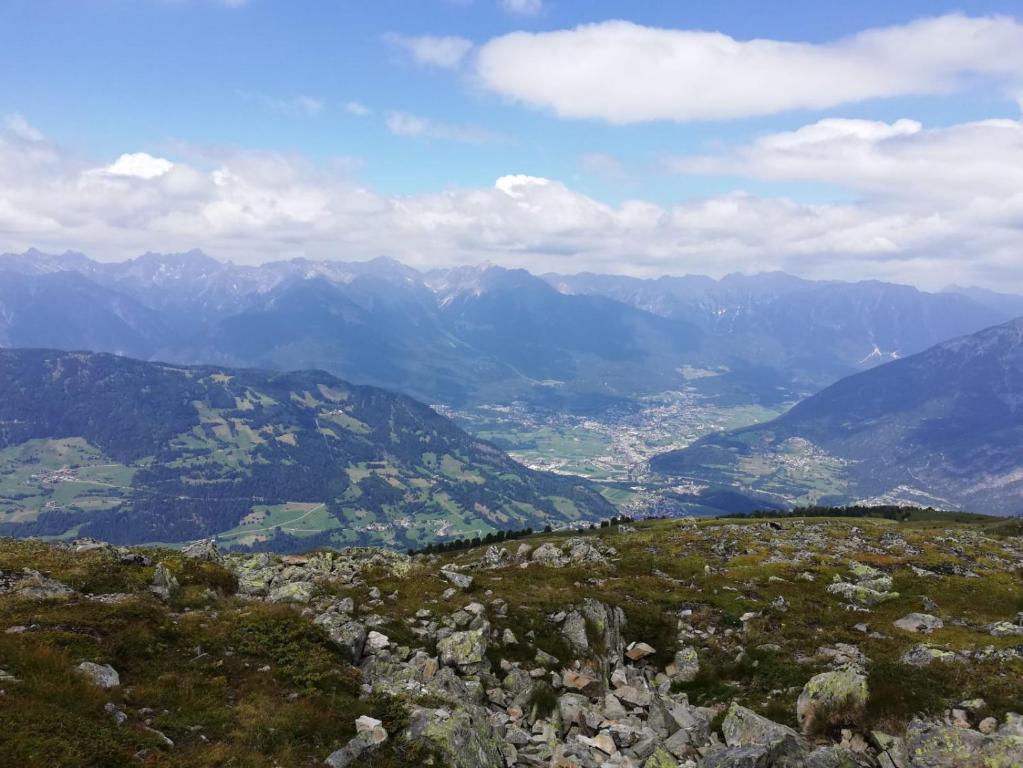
[664, 643]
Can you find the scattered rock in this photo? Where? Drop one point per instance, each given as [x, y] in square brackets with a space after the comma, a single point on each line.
[923, 623]
[843, 692]
[461, 580]
[463, 649]
[164, 584]
[100, 675]
[745, 728]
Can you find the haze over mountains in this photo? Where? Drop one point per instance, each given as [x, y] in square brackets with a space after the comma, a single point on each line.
[943, 427]
[483, 334]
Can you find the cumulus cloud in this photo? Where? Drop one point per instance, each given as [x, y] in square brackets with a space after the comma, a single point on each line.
[904, 160]
[522, 7]
[416, 126]
[427, 50]
[251, 207]
[626, 73]
[139, 165]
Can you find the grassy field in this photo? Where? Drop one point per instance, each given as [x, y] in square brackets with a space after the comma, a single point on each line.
[64, 474]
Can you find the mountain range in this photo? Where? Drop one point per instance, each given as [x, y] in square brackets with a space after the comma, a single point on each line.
[484, 334]
[130, 451]
[943, 427]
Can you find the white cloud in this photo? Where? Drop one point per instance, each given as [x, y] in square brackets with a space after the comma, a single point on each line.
[357, 108]
[443, 52]
[626, 73]
[522, 7]
[901, 160]
[251, 207]
[297, 106]
[416, 126]
[139, 165]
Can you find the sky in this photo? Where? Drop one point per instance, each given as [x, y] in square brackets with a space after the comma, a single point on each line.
[870, 140]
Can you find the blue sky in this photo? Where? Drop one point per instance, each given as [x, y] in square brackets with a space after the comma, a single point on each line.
[196, 81]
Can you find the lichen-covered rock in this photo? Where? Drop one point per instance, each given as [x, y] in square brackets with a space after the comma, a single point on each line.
[360, 744]
[203, 549]
[460, 580]
[745, 728]
[100, 675]
[661, 758]
[785, 752]
[1005, 629]
[255, 574]
[33, 584]
[549, 555]
[347, 634]
[919, 622]
[685, 666]
[164, 585]
[841, 692]
[936, 745]
[922, 655]
[293, 592]
[860, 593]
[573, 629]
[463, 738]
[463, 649]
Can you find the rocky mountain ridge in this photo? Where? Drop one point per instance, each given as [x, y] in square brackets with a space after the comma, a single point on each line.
[485, 333]
[654, 645]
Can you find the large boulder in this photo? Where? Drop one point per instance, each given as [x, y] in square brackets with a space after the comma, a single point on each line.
[786, 752]
[203, 549]
[919, 622]
[463, 649]
[344, 632]
[831, 696]
[462, 738]
[460, 580]
[745, 728]
[573, 629]
[685, 666]
[936, 745]
[100, 675]
[364, 741]
[293, 592]
[549, 555]
[164, 585]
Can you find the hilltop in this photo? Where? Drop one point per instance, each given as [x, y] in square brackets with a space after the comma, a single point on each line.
[130, 451]
[939, 428]
[728, 643]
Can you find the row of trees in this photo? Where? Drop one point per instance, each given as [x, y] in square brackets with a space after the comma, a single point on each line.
[496, 537]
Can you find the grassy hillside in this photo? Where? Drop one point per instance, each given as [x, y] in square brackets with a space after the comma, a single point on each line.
[128, 451]
[238, 681]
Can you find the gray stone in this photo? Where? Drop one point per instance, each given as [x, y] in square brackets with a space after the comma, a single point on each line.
[100, 675]
[293, 592]
[745, 728]
[204, 549]
[346, 634]
[359, 745]
[463, 649]
[164, 584]
[919, 622]
[844, 690]
[460, 580]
